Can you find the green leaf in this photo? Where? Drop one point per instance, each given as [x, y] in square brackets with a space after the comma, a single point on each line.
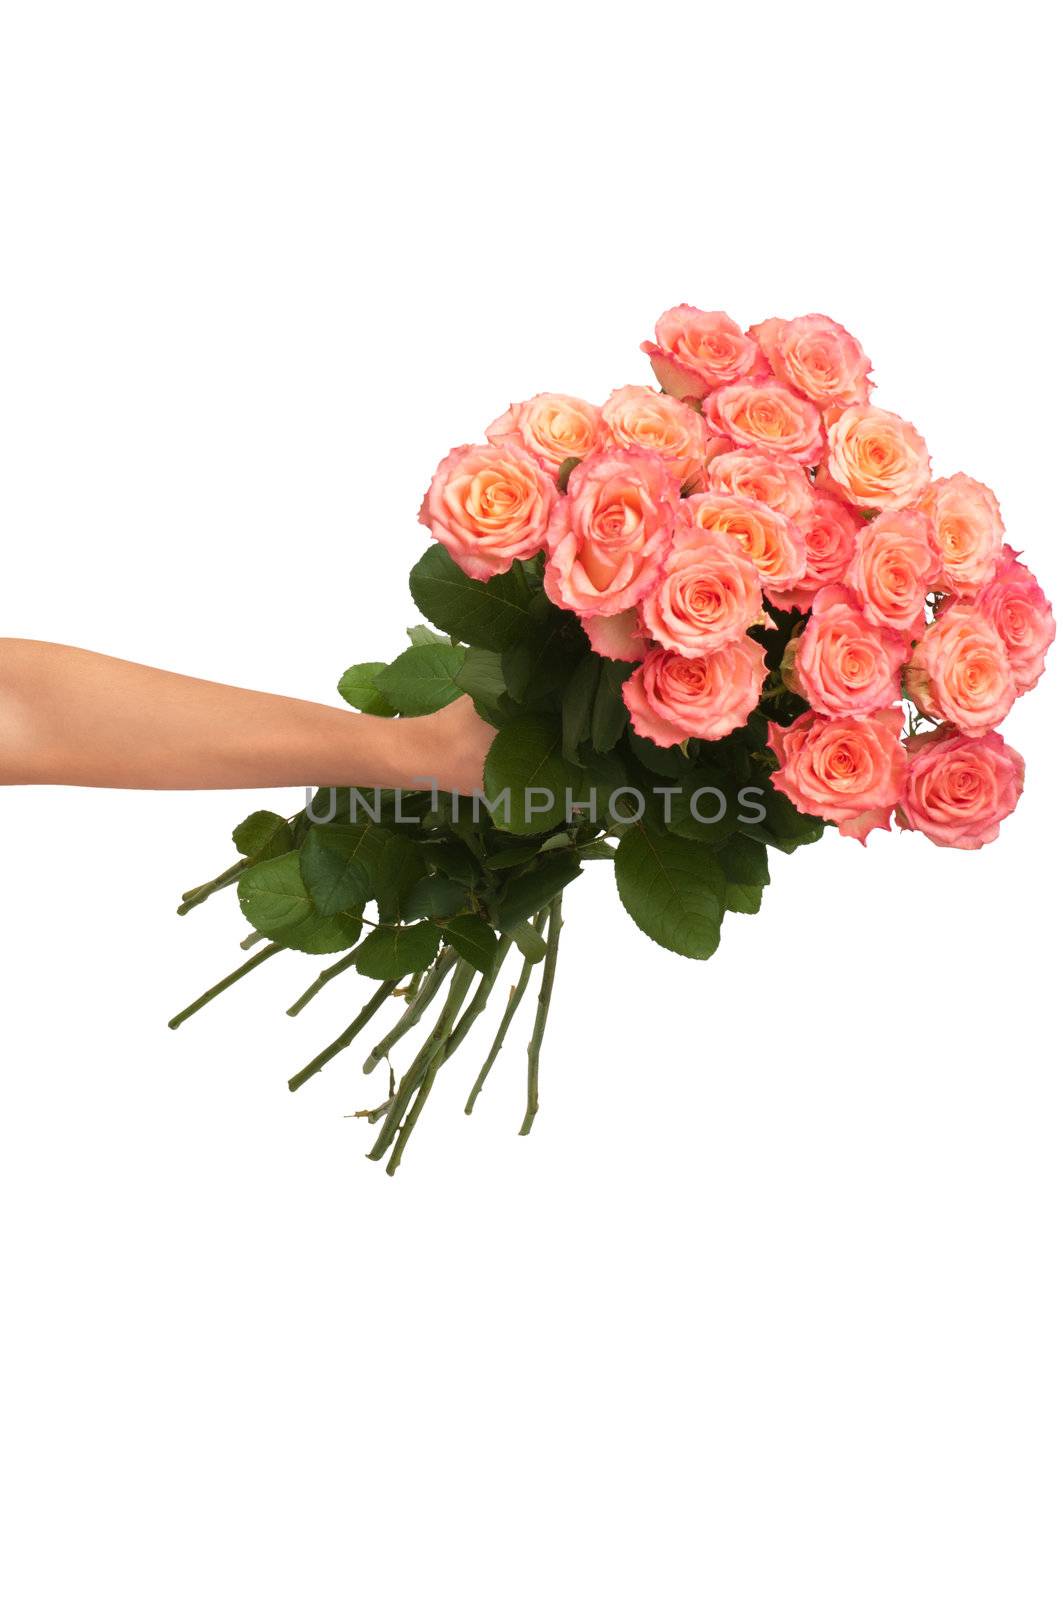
[422, 679]
[671, 762]
[433, 897]
[358, 688]
[745, 863]
[515, 856]
[263, 835]
[523, 896]
[336, 862]
[531, 945]
[393, 952]
[577, 703]
[396, 867]
[492, 615]
[609, 715]
[276, 902]
[565, 471]
[706, 806]
[474, 941]
[481, 677]
[526, 756]
[419, 634]
[674, 889]
[453, 860]
[784, 827]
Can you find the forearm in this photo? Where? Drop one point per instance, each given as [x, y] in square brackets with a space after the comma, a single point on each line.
[73, 717]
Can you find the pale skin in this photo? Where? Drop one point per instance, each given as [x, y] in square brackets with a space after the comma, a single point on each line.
[70, 716]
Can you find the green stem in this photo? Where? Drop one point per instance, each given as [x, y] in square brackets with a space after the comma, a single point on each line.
[251, 940]
[367, 1013]
[415, 1075]
[323, 977]
[414, 1011]
[226, 983]
[480, 998]
[516, 995]
[196, 897]
[545, 991]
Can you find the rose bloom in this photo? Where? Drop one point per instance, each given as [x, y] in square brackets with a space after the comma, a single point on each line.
[699, 350]
[551, 427]
[776, 481]
[708, 593]
[774, 543]
[959, 671]
[848, 770]
[842, 663]
[639, 417]
[1016, 605]
[875, 459]
[894, 565]
[817, 357]
[619, 637]
[672, 697]
[490, 505]
[830, 542]
[968, 530]
[762, 415]
[610, 532]
[959, 790]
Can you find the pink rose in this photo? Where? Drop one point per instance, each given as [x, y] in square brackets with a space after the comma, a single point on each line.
[672, 697]
[830, 543]
[610, 533]
[959, 790]
[639, 417]
[1016, 605]
[699, 350]
[551, 427]
[776, 481]
[968, 530]
[875, 459]
[848, 770]
[817, 357]
[763, 415]
[489, 504]
[959, 671]
[708, 593]
[894, 566]
[618, 638]
[774, 543]
[841, 662]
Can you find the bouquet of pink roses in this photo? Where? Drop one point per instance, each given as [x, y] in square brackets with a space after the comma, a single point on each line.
[705, 620]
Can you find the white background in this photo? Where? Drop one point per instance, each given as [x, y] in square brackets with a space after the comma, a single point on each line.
[769, 1304]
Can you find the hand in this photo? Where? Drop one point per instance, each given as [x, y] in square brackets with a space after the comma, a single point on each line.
[450, 746]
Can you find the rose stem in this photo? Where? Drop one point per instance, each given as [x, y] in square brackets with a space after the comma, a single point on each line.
[516, 995]
[196, 897]
[325, 976]
[414, 1075]
[545, 991]
[429, 1078]
[480, 998]
[220, 988]
[368, 1011]
[251, 940]
[414, 1011]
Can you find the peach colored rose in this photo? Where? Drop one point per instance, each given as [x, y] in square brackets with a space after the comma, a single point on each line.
[489, 504]
[699, 350]
[776, 481]
[817, 357]
[707, 595]
[841, 663]
[875, 459]
[894, 566]
[958, 789]
[830, 543]
[1016, 605]
[774, 543]
[610, 533]
[959, 671]
[848, 770]
[968, 530]
[672, 697]
[551, 427]
[763, 415]
[618, 638]
[639, 417]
